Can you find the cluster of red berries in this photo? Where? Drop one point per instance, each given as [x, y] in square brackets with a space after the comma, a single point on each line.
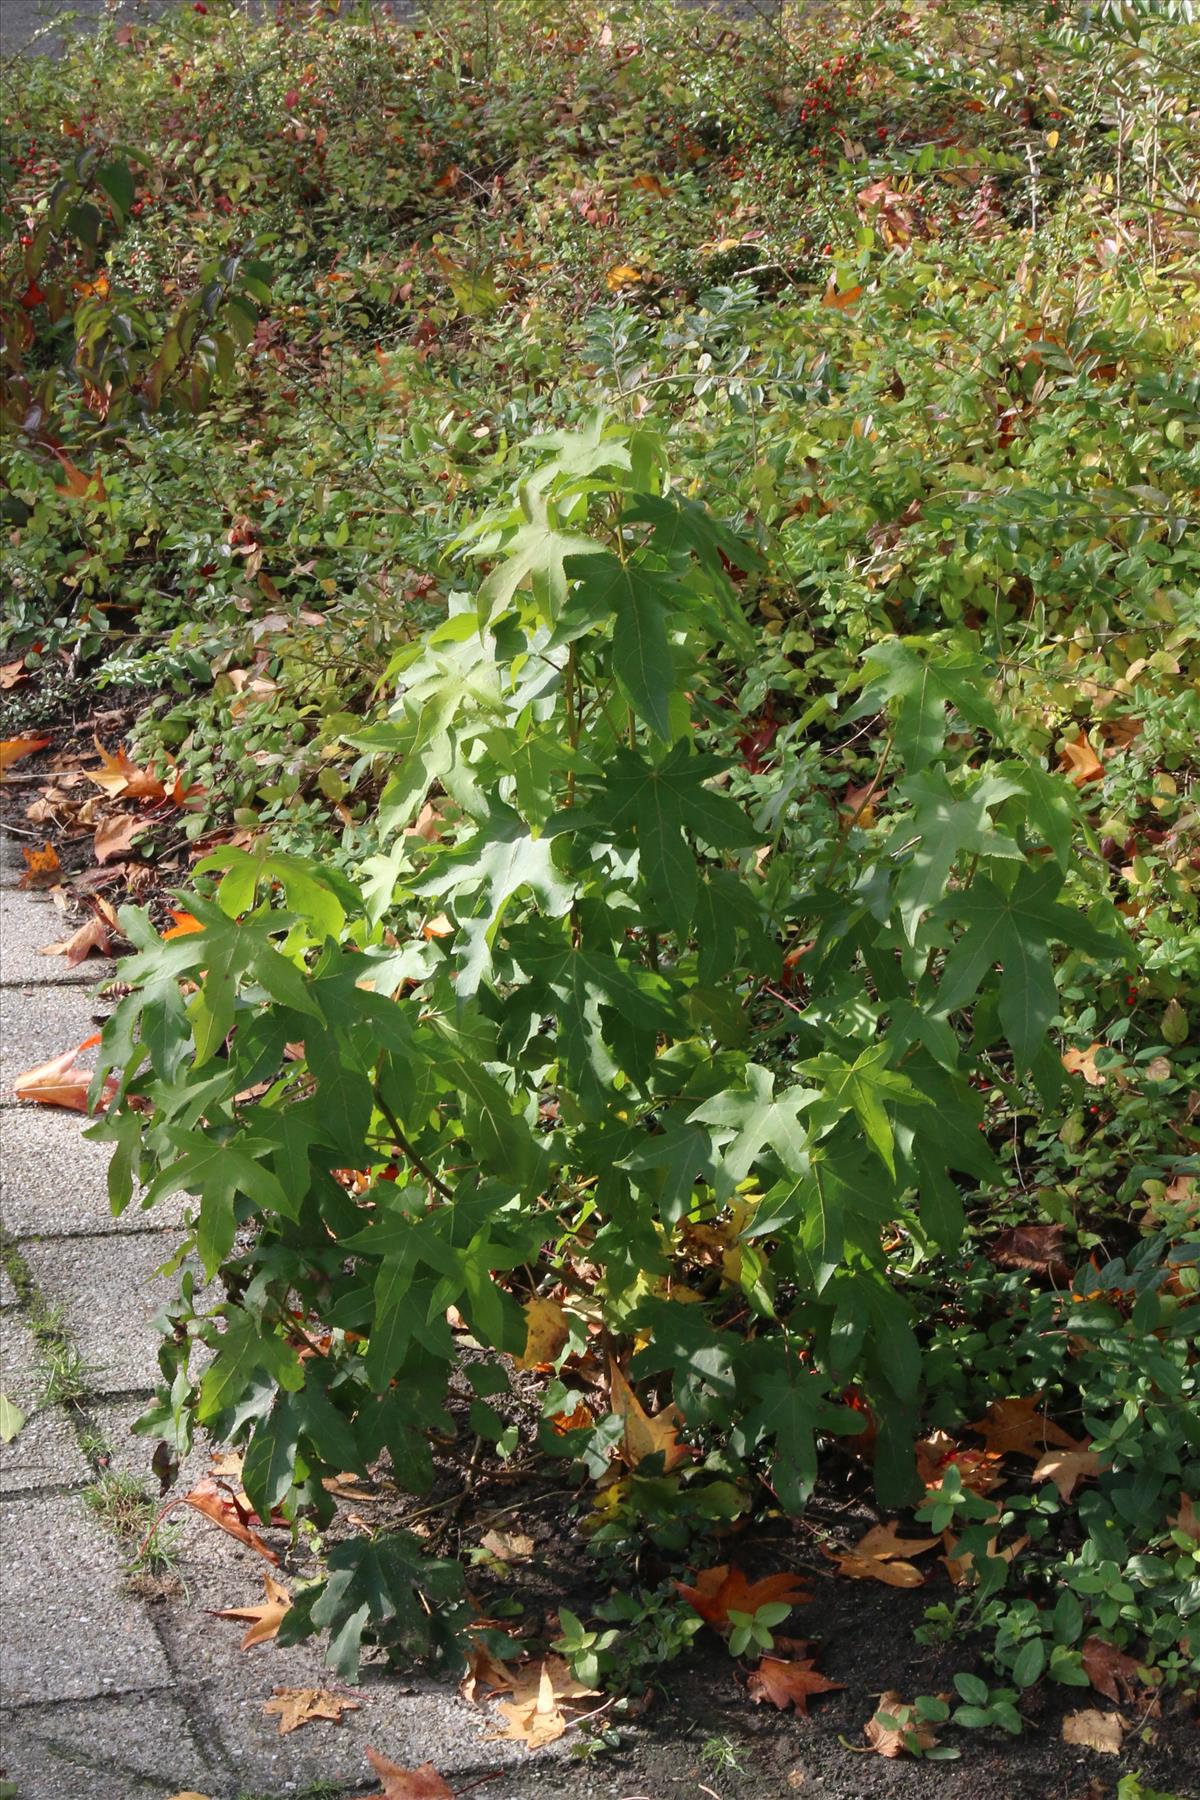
[823, 88]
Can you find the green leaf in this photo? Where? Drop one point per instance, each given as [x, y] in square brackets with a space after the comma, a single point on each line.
[756, 1119]
[218, 1172]
[11, 1418]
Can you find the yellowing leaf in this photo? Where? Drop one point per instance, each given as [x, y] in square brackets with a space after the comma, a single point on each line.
[42, 867]
[546, 1331]
[622, 275]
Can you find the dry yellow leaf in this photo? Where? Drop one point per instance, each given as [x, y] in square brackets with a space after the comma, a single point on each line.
[1094, 1730]
[546, 1331]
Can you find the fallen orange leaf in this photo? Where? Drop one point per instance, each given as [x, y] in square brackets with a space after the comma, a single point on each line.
[1110, 1671]
[91, 935]
[184, 924]
[787, 1684]
[724, 1589]
[42, 867]
[1080, 762]
[893, 1723]
[847, 297]
[13, 749]
[118, 775]
[1017, 1428]
[229, 1512]
[1067, 1468]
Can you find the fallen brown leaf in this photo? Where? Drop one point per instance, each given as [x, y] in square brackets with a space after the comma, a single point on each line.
[264, 1621]
[787, 1684]
[1083, 1062]
[1080, 762]
[1110, 1671]
[118, 775]
[893, 1722]
[879, 1556]
[298, 1706]
[13, 674]
[1094, 1730]
[1067, 1468]
[1018, 1428]
[978, 1470]
[645, 1436]
[408, 1784]
[508, 1546]
[722, 1590]
[1185, 1519]
[116, 835]
[534, 1720]
[91, 935]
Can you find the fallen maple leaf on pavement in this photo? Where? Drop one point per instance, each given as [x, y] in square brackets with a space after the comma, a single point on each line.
[534, 1714]
[896, 1729]
[13, 749]
[60, 1082]
[298, 1706]
[1094, 1730]
[408, 1784]
[91, 935]
[722, 1590]
[232, 1512]
[1067, 1468]
[880, 1556]
[788, 1683]
[264, 1621]
[1017, 1428]
[646, 1436]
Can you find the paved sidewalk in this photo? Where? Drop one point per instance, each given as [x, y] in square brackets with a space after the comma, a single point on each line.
[106, 1694]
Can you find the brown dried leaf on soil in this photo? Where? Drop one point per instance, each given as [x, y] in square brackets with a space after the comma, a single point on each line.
[299, 1706]
[1017, 1428]
[1037, 1248]
[508, 1546]
[787, 1684]
[978, 1470]
[408, 1784]
[1067, 1468]
[1110, 1671]
[118, 775]
[534, 1715]
[892, 1723]
[13, 674]
[723, 1589]
[264, 1621]
[1185, 1519]
[116, 835]
[1094, 1730]
[880, 1556]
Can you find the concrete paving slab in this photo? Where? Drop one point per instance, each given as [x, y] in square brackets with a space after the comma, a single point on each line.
[70, 1629]
[21, 1374]
[53, 1180]
[120, 1749]
[110, 1294]
[28, 921]
[8, 1293]
[44, 1453]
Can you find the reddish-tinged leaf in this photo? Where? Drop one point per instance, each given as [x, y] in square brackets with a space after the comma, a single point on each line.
[228, 1511]
[13, 749]
[116, 835]
[787, 1684]
[937, 1454]
[59, 1082]
[118, 775]
[264, 1621]
[1018, 1428]
[722, 1590]
[1037, 1248]
[92, 935]
[408, 1784]
[848, 297]
[1080, 762]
